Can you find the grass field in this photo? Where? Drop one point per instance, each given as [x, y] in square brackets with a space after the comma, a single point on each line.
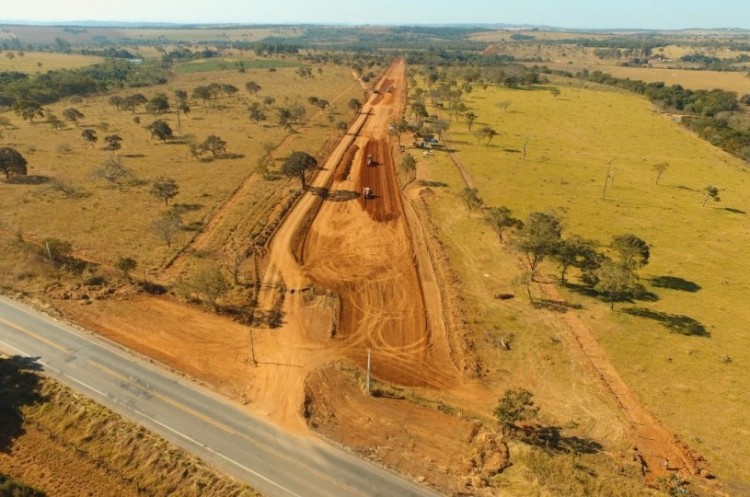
[33, 62]
[226, 64]
[104, 222]
[695, 80]
[686, 380]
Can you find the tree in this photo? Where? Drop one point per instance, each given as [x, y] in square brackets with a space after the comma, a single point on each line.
[252, 87]
[355, 104]
[486, 134]
[117, 101]
[471, 199]
[539, 238]
[126, 264]
[203, 93]
[660, 169]
[284, 116]
[215, 145]
[554, 91]
[409, 166]
[298, 112]
[210, 284]
[256, 112]
[632, 252]
[73, 115]
[229, 90]
[159, 104]
[575, 252]
[165, 189]
[616, 282]
[28, 110]
[297, 164]
[161, 130]
[54, 121]
[711, 192]
[113, 143]
[57, 251]
[113, 171]
[514, 406]
[90, 136]
[470, 118]
[132, 102]
[12, 163]
[166, 227]
[501, 219]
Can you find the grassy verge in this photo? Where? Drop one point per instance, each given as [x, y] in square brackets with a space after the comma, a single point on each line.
[66, 444]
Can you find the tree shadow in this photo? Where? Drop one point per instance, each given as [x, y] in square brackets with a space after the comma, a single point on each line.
[19, 386]
[133, 156]
[269, 319]
[512, 150]
[675, 283]
[432, 184]
[735, 211]
[31, 179]
[555, 305]
[183, 208]
[640, 293]
[675, 323]
[550, 438]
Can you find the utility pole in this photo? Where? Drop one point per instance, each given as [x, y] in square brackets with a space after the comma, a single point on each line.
[252, 348]
[368, 371]
[49, 252]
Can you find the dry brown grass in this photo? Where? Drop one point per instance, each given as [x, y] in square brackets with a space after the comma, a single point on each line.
[71, 446]
[39, 62]
[107, 222]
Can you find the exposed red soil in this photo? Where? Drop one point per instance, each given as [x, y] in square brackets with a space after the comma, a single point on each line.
[345, 164]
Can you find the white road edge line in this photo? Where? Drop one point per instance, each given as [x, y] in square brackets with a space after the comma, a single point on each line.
[166, 427]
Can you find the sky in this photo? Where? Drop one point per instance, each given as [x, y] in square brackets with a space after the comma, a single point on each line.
[600, 14]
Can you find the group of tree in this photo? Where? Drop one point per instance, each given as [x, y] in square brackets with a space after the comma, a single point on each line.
[613, 273]
[213, 144]
[51, 86]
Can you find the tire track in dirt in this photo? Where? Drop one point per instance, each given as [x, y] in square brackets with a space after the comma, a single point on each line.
[217, 222]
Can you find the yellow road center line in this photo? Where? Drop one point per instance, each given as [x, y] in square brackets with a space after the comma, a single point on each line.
[34, 335]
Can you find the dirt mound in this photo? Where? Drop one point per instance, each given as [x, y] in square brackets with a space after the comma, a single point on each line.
[490, 458]
[424, 443]
[345, 164]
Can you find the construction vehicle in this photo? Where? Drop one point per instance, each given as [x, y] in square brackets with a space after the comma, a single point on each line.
[366, 192]
[370, 160]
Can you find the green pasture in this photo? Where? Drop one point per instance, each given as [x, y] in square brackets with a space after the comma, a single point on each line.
[686, 352]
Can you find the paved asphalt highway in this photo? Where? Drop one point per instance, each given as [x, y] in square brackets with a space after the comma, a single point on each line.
[276, 463]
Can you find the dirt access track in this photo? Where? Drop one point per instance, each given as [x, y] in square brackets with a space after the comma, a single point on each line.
[345, 268]
[344, 274]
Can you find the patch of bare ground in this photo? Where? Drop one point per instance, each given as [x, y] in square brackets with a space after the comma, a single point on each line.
[451, 453]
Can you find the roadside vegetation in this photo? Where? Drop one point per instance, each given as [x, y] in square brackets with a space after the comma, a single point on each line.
[50, 435]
